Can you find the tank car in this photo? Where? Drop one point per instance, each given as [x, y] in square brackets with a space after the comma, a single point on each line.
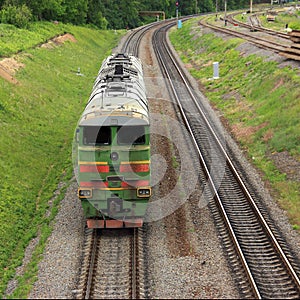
[113, 144]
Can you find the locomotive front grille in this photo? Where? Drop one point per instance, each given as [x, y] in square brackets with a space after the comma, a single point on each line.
[115, 178]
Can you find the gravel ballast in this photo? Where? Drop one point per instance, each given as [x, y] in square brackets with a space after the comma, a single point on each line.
[58, 271]
[185, 256]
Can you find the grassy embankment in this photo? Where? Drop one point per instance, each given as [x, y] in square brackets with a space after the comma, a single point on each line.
[259, 100]
[37, 120]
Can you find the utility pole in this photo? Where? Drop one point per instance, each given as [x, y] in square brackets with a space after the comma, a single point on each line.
[225, 12]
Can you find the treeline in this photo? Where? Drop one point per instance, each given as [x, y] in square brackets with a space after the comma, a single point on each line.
[104, 14]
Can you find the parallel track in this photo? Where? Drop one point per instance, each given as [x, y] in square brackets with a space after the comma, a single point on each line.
[132, 43]
[111, 265]
[273, 40]
[256, 26]
[264, 266]
[261, 42]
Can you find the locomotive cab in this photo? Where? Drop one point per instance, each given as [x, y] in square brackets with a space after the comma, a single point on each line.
[114, 173]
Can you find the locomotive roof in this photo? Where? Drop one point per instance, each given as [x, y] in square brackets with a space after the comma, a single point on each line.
[118, 96]
[120, 65]
[114, 111]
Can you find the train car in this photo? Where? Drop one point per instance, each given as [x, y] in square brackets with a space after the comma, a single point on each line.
[113, 144]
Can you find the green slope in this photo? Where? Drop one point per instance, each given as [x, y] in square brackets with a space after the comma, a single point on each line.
[37, 120]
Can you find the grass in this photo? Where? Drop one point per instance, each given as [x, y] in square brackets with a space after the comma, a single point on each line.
[14, 39]
[259, 100]
[37, 120]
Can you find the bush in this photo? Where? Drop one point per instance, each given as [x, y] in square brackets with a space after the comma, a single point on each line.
[101, 22]
[20, 16]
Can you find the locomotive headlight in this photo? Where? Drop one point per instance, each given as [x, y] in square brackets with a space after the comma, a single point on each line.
[85, 193]
[144, 192]
[114, 156]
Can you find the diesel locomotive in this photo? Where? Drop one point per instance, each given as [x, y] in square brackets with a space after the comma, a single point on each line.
[113, 146]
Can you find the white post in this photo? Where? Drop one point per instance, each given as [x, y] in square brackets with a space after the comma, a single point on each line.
[216, 70]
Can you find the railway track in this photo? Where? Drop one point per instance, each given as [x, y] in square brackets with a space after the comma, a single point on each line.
[262, 37]
[263, 265]
[254, 25]
[132, 43]
[113, 262]
[112, 265]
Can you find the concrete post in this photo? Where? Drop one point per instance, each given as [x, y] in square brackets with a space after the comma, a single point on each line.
[216, 70]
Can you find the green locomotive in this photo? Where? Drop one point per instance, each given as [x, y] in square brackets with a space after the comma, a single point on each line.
[113, 146]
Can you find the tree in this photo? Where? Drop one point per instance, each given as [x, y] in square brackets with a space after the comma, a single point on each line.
[75, 11]
[20, 16]
[130, 13]
[207, 6]
[112, 14]
[52, 10]
[42, 9]
[95, 15]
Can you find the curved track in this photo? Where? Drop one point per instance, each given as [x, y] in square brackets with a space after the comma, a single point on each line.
[264, 266]
[114, 264]
[132, 43]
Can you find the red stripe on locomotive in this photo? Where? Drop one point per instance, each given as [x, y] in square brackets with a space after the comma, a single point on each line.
[134, 168]
[94, 168]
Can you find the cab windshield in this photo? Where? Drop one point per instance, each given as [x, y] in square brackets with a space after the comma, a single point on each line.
[94, 135]
[131, 135]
